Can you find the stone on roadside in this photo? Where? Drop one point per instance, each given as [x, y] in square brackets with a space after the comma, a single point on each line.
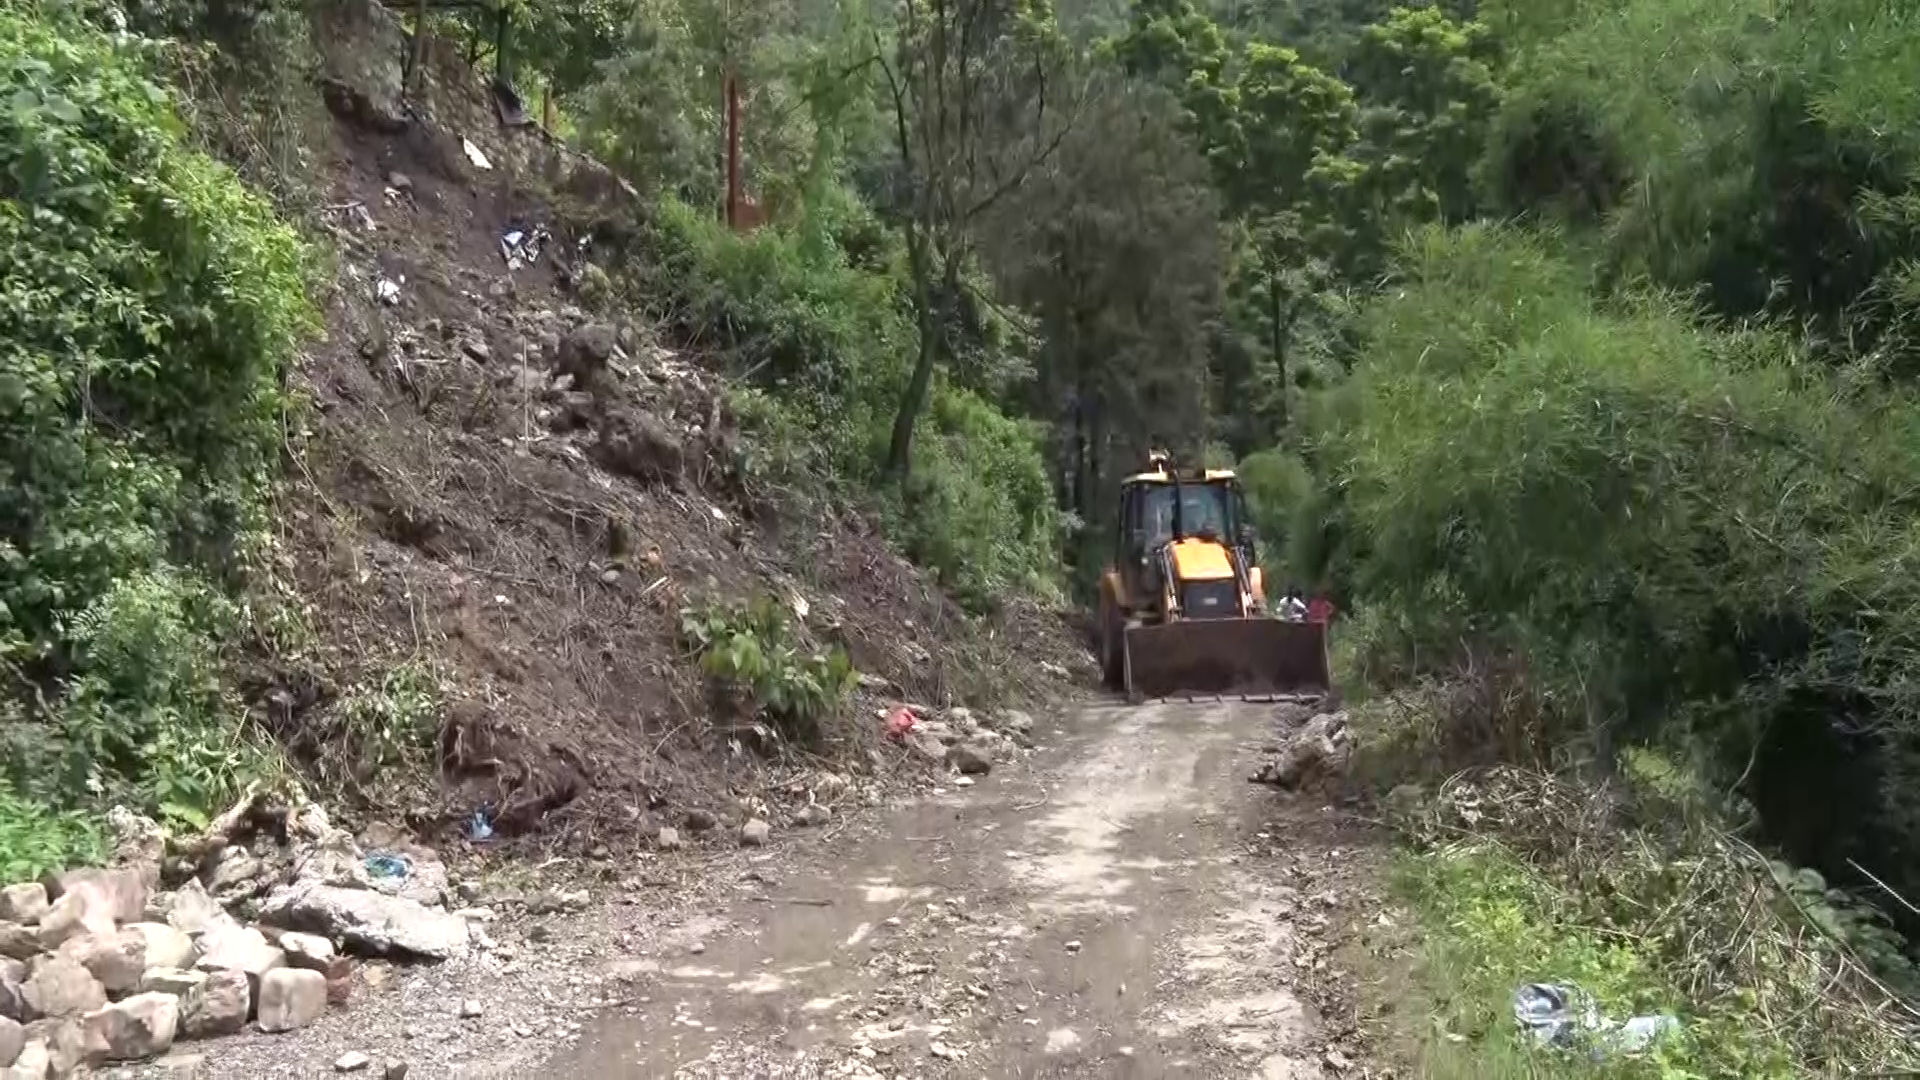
[926, 746]
[755, 833]
[351, 1061]
[370, 922]
[62, 986]
[75, 914]
[179, 982]
[813, 814]
[470, 1009]
[13, 1039]
[396, 1070]
[19, 942]
[139, 1027]
[242, 949]
[194, 912]
[23, 903]
[669, 839]
[33, 1062]
[221, 1005]
[1015, 722]
[699, 820]
[65, 1040]
[122, 890]
[291, 998]
[117, 959]
[164, 946]
[971, 758]
[310, 951]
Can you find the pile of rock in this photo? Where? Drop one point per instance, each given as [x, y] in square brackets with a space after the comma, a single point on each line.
[103, 964]
[1311, 756]
[969, 744]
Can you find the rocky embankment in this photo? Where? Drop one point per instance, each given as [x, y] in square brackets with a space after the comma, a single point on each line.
[259, 920]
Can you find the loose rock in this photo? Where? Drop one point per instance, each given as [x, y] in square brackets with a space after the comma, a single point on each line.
[669, 839]
[310, 951]
[194, 912]
[23, 903]
[813, 814]
[291, 998]
[13, 1039]
[65, 1040]
[121, 890]
[698, 820]
[926, 746]
[351, 1061]
[470, 1010]
[139, 1027]
[221, 1005]
[370, 921]
[242, 949]
[117, 959]
[755, 833]
[32, 1063]
[18, 942]
[75, 914]
[971, 758]
[179, 982]
[163, 946]
[61, 986]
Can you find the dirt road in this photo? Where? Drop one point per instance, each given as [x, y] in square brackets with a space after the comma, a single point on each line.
[1096, 911]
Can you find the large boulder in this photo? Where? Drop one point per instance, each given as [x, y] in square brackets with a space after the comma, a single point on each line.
[221, 1004]
[62, 986]
[139, 1027]
[369, 921]
[291, 998]
[13, 1039]
[23, 903]
[13, 997]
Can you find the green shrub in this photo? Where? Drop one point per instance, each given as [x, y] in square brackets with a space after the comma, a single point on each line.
[1680, 533]
[147, 304]
[752, 651]
[826, 339]
[393, 718]
[35, 840]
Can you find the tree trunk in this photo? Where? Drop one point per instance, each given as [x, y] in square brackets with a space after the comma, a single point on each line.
[1279, 346]
[899, 462]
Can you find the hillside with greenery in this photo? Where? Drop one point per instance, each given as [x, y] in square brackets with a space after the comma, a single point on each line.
[1570, 346]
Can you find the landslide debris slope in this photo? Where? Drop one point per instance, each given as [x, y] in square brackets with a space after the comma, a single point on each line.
[517, 497]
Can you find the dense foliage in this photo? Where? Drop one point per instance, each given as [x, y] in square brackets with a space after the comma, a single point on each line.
[147, 302]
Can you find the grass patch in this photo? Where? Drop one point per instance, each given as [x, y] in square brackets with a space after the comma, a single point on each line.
[1630, 884]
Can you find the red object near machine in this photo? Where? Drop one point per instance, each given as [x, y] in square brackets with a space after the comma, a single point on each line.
[1320, 610]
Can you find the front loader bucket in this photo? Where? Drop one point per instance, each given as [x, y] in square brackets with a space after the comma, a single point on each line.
[1238, 657]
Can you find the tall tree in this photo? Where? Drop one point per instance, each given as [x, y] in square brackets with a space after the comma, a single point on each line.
[980, 96]
[1115, 246]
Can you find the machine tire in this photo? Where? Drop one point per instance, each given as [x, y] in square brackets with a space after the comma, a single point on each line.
[1112, 646]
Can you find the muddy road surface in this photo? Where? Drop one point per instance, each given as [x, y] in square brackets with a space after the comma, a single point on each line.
[1099, 910]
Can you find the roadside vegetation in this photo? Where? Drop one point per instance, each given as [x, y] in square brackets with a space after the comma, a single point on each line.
[1568, 346]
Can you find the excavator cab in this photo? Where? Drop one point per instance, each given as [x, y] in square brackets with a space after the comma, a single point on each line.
[1183, 604]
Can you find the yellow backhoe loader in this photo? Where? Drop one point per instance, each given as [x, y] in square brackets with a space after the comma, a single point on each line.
[1183, 608]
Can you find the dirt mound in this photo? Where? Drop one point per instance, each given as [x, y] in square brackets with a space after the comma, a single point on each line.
[517, 496]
